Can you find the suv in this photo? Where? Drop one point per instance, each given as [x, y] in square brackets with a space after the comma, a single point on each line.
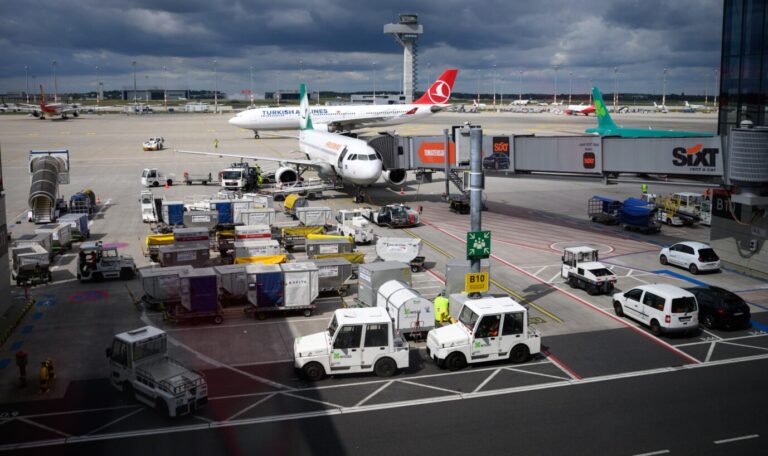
[694, 256]
[662, 307]
[720, 307]
[496, 160]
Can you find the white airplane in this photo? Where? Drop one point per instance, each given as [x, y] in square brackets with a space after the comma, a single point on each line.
[521, 102]
[661, 107]
[478, 105]
[586, 110]
[334, 157]
[62, 110]
[345, 118]
[694, 107]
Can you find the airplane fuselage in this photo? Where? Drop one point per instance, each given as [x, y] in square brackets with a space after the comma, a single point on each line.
[349, 158]
[287, 118]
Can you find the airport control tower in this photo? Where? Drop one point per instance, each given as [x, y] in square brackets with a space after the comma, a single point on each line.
[406, 32]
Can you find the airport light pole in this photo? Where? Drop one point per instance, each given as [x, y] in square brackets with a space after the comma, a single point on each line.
[557, 67]
[717, 86]
[251, 94]
[494, 86]
[55, 83]
[664, 90]
[520, 73]
[373, 64]
[134, 81]
[97, 84]
[165, 88]
[26, 77]
[215, 89]
[615, 87]
[34, 84]
[570, 86]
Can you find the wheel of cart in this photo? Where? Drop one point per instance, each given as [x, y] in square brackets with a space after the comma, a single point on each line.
[343, 290]
[417, 264]
[261, 313]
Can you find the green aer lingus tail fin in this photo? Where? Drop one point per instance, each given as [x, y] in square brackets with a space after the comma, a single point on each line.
[306, 120]
[604, 121]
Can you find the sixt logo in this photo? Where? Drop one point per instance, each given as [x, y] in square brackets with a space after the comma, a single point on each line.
[694, 156]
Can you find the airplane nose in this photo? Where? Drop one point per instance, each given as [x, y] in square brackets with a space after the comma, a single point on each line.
[235, 121]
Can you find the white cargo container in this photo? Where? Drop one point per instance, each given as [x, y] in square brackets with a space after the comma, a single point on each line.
[314, 216]
[256, 247]
[370, 277]
[253, 232]
[161, 285]
[260, 200]
[410, 312]
[44, 240]
[61, 234]
[232, 280]
[185, 235]
[404, 250]
[300, 284]
[257, 216]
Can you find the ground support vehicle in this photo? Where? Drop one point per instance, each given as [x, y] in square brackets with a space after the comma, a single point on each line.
[152, 177]
[311, 189]
[581, 269]
[639, 215]
[154, 144]
[95, 262]
[140, 367]
[352, 223]
[357, 340]
[31, 265]
[240, 177]
[662, 307]
[487, 329]
[83, 203]
[147, 201]
[393, 216]
[203, 179]
[459, 204]
[603, 210]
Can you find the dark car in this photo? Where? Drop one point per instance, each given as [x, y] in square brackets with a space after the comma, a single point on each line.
[719, 307]
[496, 161]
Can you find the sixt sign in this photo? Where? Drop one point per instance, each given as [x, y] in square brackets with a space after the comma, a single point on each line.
[697, 156]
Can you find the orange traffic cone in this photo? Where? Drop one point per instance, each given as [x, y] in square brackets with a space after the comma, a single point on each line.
[166, 184]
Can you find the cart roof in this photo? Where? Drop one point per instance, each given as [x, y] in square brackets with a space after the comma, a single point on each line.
[580, 249]
[491, 305]
[136, 335]
[361, 315]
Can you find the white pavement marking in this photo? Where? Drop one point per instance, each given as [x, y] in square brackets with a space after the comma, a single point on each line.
[430, 387]
[317, 401]
[488, 379]
[653, 453]
[378, 390]
[42, 426]
[523, 371]
[752, 336]
[710, 351]
[736, 439]
[555, 277]
[260, 401]
[711, 334]
[743, 345]
[540, 270]
[104, 426]
[367, 408]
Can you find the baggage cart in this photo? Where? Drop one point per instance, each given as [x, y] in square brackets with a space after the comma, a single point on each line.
[333, 275]
[603, 210]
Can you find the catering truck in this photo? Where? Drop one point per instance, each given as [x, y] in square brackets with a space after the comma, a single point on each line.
[357, 340]
[140, 367]
[488, 329]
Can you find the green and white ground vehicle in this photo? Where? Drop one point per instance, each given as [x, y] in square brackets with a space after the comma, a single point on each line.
[582, 270]
[96, 262]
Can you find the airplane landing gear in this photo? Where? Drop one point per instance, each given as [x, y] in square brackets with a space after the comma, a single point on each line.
[256, 135]
[360, 195]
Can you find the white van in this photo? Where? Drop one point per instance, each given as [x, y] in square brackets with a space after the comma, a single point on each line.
[664, 308]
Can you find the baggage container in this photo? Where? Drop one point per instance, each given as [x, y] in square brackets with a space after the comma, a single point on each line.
[201, 219]
[314, 216]
[293, 202]
[224, 208]
[253, 232]
[61, 235]
[256, 248]
[265, 259]
[44, 240]
[455, 272]
[260, 200]
[233, 281]
[333, 274]
[78, 224]
[192, 253]
[256, 216]
[30, 265]
[186, 235]
[240, 205]
[411, 313]
[199, 291]
[404, 250]
[265, 285]
[161, 285]
[372, 275]
[173, 212]
[316, 247]
[300, 284]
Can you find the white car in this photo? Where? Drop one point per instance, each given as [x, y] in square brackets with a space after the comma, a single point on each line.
[662, 307]
[694, 256]
[154, 144]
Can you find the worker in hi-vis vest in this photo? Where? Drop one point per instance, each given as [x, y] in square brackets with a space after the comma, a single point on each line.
[441, 309]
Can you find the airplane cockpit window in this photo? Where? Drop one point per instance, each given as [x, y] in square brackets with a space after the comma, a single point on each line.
[352, 157]
[362, 157]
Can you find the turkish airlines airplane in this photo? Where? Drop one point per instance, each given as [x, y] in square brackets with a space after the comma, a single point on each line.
[50, 110]
[332, 155]
[350, 117]
[586, 110]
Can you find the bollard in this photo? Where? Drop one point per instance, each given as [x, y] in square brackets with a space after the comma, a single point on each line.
[21, 361]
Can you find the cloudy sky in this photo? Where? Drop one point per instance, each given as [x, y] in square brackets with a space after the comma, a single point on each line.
[340, 45]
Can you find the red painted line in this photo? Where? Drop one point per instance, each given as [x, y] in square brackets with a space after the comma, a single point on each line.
[436, 275]
[561, 365]
[670, 347]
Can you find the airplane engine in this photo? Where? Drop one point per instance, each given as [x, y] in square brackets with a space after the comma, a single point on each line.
[286, 175]
[394, 176]
[36, 113]
[75, 114]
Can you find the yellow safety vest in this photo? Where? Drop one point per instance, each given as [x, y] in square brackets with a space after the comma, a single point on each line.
[441, 309]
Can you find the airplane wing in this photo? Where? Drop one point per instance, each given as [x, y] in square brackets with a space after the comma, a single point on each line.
[253, 157]
[354, 124]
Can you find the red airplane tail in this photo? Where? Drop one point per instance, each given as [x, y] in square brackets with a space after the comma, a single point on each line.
[42, 97]
[440, 91]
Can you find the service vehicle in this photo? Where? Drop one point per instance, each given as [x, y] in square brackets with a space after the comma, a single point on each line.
[352, 223]
[140, 367]
[147, 202]
[392, 215]
[152, 177]
[357, 340]
[154, 144]
[96, 262]
[488, 329]
[203, 179]
[662, 307]
[240, 177]
[694, 256]
[581, 269]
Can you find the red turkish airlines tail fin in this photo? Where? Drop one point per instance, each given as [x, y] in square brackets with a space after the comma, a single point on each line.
[440, 91]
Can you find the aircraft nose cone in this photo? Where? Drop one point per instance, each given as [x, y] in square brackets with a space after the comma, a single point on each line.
[235, 121]
[372, 172]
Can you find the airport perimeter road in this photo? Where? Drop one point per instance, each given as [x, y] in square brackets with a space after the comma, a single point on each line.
[678, 411]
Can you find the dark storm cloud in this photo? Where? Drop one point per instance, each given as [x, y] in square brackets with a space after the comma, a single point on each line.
[338, 41]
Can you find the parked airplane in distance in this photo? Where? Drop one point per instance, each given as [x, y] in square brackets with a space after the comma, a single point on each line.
[606, 127]
[334, 156]
[573, 110]
[350, 117]
[661, 107]
[694, 106]
[521, 102]
[62, 110]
